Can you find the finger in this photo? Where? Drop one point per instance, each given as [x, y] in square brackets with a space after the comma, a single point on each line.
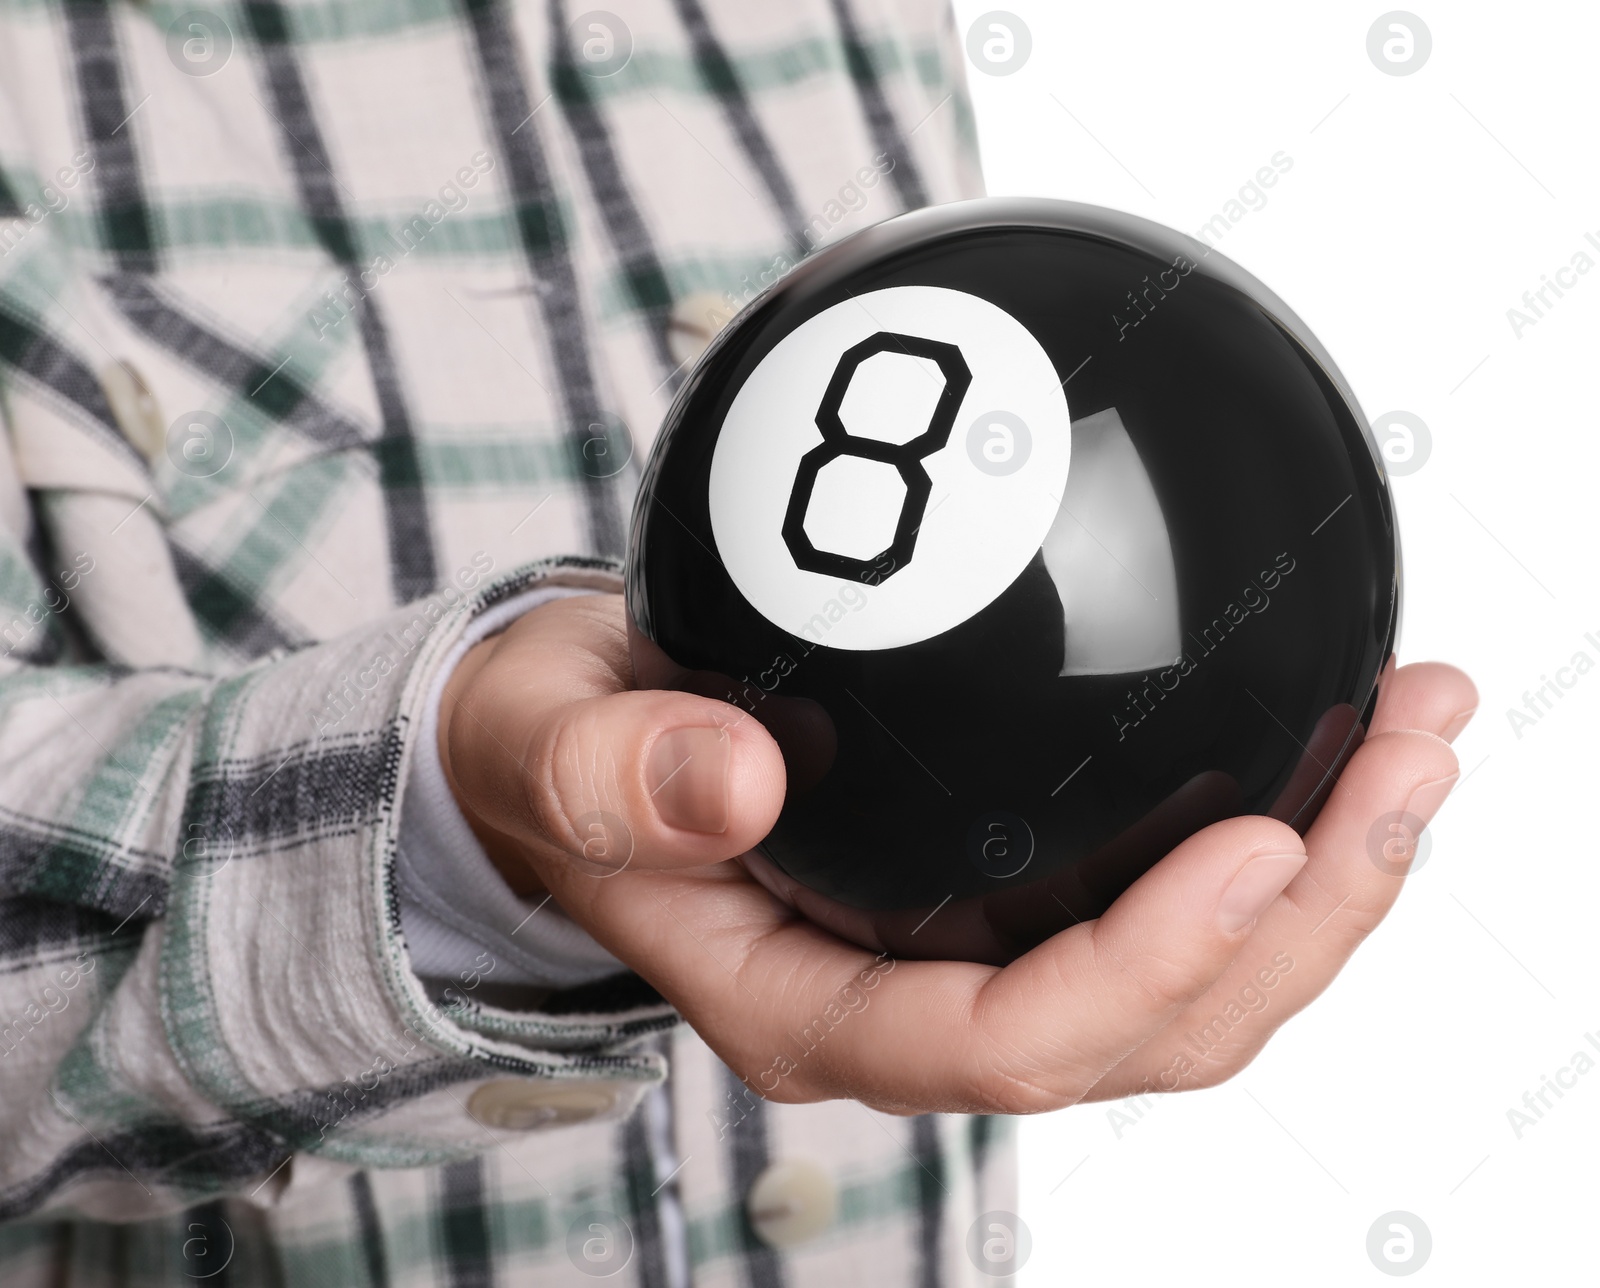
[1431, 696]
[548, 751]
[1162, 944]
[1305, 938]
[954, 1036]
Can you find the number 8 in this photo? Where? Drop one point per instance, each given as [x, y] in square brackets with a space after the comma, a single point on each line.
[907, 458]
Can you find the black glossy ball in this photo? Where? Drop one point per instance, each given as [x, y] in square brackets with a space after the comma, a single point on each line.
[1040, 537]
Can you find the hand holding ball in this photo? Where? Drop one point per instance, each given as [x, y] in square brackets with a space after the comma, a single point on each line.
[1039, 537]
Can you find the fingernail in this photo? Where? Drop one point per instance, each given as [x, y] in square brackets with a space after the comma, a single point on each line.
[1424, 801]
[1458, 722]
[1255, 886]
[688, 778]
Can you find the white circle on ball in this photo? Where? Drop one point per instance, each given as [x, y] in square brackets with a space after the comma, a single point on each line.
[978, 529]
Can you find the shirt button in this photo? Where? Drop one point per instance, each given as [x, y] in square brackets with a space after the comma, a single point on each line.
[134, 407]
[791, 1202]
[517, 1104]
[695, 321]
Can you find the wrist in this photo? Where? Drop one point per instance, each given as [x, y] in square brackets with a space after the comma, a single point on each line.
[457, 725]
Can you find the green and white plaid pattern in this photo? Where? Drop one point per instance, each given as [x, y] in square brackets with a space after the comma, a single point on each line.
[323, 328]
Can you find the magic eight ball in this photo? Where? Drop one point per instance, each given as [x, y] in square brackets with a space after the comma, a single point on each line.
[1039, 537]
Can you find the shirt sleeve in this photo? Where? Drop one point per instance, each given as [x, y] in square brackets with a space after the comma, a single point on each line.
[206, 967]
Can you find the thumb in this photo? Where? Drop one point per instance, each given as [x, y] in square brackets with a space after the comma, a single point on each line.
[542, 747]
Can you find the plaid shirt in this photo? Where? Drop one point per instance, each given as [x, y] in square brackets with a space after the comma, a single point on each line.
[323, 329]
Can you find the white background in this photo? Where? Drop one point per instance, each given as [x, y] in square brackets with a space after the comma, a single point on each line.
[1418, 210]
